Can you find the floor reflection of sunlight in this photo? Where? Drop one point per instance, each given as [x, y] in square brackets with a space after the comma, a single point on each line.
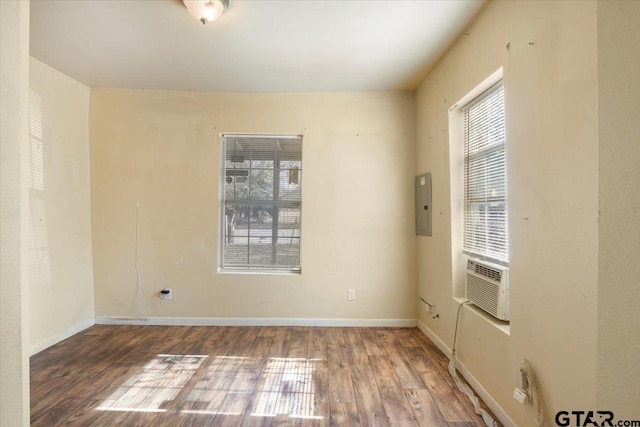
[227, 386]
[283, 386]
[286, 388]
[159, 381]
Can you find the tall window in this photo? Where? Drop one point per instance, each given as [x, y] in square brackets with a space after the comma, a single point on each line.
[262, 177]
[485, 229]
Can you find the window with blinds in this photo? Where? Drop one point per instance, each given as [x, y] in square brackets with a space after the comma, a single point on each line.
[261, 203]
[485, 228]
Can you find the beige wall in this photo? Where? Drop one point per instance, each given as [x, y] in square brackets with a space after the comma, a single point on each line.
[14, 74]
[161, 149]
[59, 243]
[619, 233]
[550, 78]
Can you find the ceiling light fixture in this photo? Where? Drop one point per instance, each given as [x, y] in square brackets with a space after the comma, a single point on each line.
[206, 10]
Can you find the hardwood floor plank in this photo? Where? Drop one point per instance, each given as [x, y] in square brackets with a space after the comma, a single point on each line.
[383, 372]
[317, 348]
[225, 373]
[420, 359]
[370, 406]
[266, 331]
[260, 347]
[243, 341]
[317, 339]
[408, 376]
[261, 409]
[340, 384]
[344, 415]
[321, 381]
[209, 342]
[280, 345]
[83, 416]
[202, 402]
[66, 402]
[232, 410]
[250, 420]
[286, 421]
[393, 398]
[355, 348]
[351, 335]
[298, 343]
[247, 375]
[337, 355]
[371, 342]
[406, 337]
[334, 336]
[425, 408]
[319, 416]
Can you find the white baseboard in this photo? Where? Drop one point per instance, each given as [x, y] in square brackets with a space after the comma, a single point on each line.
[255, 321]
[55, 339]
[473, 382]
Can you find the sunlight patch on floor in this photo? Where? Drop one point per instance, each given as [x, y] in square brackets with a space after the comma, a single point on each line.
[159, 381]
[287, 389]
[227, 386]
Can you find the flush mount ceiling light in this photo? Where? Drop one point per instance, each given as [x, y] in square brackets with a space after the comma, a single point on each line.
[206, 10]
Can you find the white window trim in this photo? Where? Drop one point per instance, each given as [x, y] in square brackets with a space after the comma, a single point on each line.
[221, 220]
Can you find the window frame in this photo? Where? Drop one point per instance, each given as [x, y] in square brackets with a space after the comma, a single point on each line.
[276, 204]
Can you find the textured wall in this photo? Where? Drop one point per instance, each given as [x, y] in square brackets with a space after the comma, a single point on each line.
[550, 75]
[619, 233]
[161, 149]
[59, 244]
[14, 73]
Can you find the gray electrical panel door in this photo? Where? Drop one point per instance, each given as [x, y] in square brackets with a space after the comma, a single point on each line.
[423, 204]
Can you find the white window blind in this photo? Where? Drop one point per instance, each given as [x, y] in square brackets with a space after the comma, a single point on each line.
[261, 203]
[485, 230]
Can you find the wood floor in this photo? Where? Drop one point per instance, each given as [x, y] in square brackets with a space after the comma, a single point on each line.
[246, 376]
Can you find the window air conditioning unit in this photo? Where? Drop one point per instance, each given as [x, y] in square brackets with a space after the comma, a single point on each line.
[488, 287]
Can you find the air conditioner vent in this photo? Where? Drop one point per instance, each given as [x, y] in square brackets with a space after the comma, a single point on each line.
[488, 287]
[488, 272]
[483, 294]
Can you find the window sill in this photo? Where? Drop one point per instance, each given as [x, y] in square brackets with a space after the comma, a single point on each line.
[502, 326]
[261, 272]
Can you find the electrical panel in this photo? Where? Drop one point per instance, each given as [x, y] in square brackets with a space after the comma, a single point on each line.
[423, 204]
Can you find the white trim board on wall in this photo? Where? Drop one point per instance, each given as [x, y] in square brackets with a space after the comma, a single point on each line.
[60, 336]
[254, 321]
[473, 382]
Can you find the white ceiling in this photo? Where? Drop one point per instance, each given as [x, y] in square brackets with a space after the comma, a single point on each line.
[256, 46]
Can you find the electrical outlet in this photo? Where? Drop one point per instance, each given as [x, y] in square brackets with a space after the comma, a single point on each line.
[351, 294]
[166, 293]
